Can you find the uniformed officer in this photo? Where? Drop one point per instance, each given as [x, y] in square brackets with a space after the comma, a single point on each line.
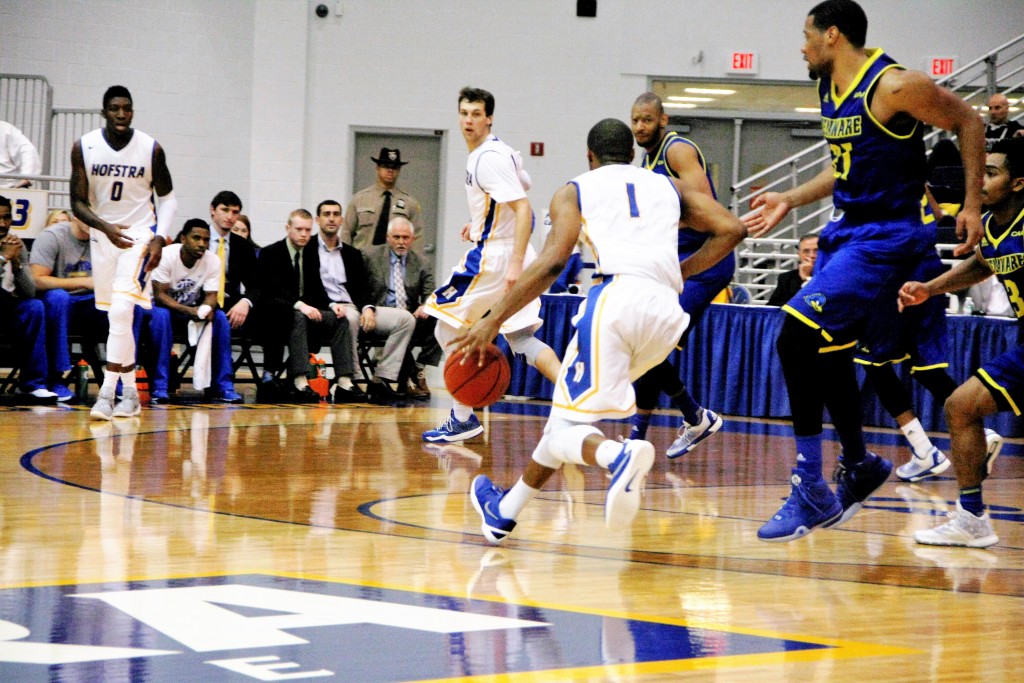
[368, 214]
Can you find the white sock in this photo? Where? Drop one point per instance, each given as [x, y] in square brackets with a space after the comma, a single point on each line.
[301, 382]
[919, 441]
[607, 452]
[128, 380]
[345, 382]
[462, 412]
[110, 381]
[513, 502]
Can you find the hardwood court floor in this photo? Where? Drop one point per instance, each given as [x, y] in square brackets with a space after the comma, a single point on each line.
[273, 543]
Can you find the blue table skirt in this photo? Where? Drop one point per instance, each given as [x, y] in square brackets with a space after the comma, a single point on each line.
[730, 363]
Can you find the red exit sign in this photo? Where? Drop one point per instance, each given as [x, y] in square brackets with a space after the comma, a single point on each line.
[941, 66]
[742, 63]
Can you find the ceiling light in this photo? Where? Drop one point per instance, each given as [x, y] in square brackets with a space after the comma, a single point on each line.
[808, 110]
[709, 91]
[679, 105]
[679, 98]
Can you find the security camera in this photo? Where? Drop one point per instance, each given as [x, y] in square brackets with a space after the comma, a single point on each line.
[322, 10]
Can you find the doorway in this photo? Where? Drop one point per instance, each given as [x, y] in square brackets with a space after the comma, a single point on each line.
[419, 177]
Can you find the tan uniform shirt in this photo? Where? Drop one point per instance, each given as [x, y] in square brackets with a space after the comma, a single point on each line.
[363, 211]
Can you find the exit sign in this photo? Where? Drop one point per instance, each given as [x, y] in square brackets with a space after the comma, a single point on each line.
[941, 66]
[742, 63]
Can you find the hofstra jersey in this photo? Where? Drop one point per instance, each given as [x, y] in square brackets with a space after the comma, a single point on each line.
[492, 180]
[689, 240]
[879, 169]
[120, 181]
[630, 222]
[1003, 251]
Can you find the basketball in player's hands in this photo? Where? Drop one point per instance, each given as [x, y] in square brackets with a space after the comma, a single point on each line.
[477, 385]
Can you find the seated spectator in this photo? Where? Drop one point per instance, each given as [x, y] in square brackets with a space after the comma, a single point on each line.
[343, 272]
[58, 216]
[20, 312]
[398, 279]
[62, 270]
[242, 228]
[1000, 127]
[791, 281]
[185, 287]
[989, 297]
[293, 310]
[17, 155]
[237, 257]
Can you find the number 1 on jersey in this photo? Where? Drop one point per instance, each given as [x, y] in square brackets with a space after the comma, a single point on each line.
[634, 210]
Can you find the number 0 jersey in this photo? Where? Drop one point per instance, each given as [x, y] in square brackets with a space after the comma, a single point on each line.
[121, 181]
[879, 170]
[1004, 254]
[631, 222]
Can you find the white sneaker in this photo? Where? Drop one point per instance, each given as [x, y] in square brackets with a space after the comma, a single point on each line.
[963, 529]
[103, 409]
[629, 472]
[921, 468]
[129, 405]
[994, 444]
[691, 435]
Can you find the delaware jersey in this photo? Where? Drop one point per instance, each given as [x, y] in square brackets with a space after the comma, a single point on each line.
[879, 170]
[630, 223]
[1003, 251]
[121, 181]
[492, 179]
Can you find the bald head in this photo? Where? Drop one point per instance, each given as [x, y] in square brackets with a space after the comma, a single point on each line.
[998, 109]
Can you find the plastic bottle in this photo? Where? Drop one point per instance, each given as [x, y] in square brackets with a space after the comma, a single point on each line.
[142, 384]
[968, 307]
[81, 381]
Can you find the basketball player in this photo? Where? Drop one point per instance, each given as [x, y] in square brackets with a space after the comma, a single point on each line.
[873, 111]
[670, 154]
[998, 385]
[629, 218]
[115, 171]
[501, 222]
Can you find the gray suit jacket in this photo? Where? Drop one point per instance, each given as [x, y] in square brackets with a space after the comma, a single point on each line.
[419, 282]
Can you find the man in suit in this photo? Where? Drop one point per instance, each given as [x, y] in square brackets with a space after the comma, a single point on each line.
[345, 281]
[791, 281]
[294, 309]
[238, 257]
[396, 260]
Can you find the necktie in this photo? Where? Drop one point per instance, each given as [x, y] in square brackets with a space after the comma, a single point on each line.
[398, 282]
[223, 272]
[298, 272]
[381, 233]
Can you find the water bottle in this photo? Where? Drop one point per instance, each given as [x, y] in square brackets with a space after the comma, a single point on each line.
[968, 307]
[82, 381]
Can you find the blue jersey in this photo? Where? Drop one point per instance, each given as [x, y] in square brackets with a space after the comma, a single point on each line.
[1003, 250]
[690, 240]
[879, 169]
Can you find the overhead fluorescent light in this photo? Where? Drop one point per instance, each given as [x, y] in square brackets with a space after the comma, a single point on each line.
[680, 98]
[808, 110]
[679, 105]
[709, 91]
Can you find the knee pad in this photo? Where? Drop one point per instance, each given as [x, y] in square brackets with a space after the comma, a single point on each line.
[525, 344]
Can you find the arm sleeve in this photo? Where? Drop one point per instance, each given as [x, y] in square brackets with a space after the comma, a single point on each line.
[165, 214]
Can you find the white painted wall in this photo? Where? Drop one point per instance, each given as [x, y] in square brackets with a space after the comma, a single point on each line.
[261, 96]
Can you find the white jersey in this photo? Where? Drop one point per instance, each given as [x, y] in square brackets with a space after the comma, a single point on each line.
[188, 285]
[492, 179]
[631, 223]
[121, 182]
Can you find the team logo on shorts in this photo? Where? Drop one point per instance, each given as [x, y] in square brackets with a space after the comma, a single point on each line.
[815, 301]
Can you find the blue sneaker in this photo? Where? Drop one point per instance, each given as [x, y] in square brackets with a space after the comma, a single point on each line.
[486, 497]
[810, 504]
[691, 435]
[629, 471]
[63, 393]
[453, 430]
[856, 483]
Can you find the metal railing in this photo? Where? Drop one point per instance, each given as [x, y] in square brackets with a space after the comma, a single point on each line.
[761, 260]
[26, 102]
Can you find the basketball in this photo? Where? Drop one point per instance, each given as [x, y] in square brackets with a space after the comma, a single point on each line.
[478, 385]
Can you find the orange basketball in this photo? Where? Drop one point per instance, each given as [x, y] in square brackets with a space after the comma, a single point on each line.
[478, 385]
